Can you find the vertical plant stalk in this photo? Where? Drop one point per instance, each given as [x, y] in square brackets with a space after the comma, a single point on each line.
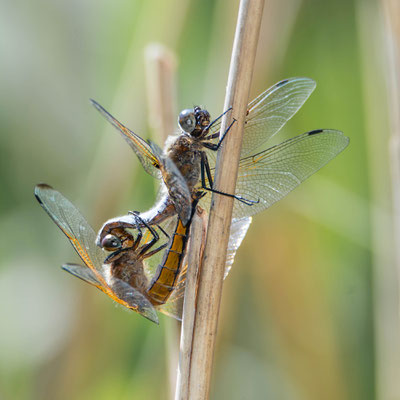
[198, 230]
[161, 99]
[212, 272]
[392, 25]
[383, 242]
[161, 89]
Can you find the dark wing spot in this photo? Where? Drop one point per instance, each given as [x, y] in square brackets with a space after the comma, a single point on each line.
[41, 186]
[282, 82]
[315, 132]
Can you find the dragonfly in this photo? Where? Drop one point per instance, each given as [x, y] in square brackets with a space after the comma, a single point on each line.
[131, 274]
[264, 177]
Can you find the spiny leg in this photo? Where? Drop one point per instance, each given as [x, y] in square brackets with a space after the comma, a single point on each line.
[205, 169]
[217, 119]
[144, 250]
[163, 246]
[216, 146]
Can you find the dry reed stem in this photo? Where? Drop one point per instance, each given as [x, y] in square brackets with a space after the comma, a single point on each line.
[198, 230]
[211, 276]
[161, 89]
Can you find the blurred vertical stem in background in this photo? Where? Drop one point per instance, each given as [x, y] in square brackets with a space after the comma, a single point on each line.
[102, 180]
[387, 351]
[161, 90]
[212, 272]
[161, 99]
[392, 26]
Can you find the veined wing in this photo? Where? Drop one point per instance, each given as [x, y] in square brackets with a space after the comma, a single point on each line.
[141, 148]
[84, 273]
[82, 237]
[174, 305]
[270, 111]
[270, 175]
[74, 225]
[239, 229]
[129, 297]
[273, 173]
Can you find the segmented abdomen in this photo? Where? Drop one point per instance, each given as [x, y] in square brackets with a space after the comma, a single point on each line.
[165, 278]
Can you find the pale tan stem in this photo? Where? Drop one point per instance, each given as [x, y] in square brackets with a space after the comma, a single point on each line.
[161, 90]
[211, 277]
[198, 230]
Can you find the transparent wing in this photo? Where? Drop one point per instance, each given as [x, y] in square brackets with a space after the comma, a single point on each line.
[239, 229]
[131, 298]
[141, 148]
[269, 112]
[83, 273]
[174, 306]
[273, 173]
[269, 176]
[82, 237]
[272, 109]
[73, 224]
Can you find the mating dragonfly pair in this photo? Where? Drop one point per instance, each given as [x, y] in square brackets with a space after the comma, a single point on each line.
[132, 273]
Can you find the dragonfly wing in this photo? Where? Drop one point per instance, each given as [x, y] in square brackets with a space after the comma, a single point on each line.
[141, 148]
[82, 237]
[83, 273]
[174, 306]
[270, 111]
[131, 298]
[270, 175]
[239, 229]
[73, 224]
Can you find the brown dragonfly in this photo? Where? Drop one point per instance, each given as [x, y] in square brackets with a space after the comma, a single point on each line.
[264, 177]
[133, 274]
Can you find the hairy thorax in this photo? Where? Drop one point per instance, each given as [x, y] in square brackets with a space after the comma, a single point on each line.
[130, 269]
[185, 152]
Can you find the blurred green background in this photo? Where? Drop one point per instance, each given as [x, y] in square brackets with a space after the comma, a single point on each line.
[309, 310]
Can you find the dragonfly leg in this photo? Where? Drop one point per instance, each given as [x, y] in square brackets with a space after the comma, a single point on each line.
[217, 119]
[205, 169]
[144, 250]
[216, 146]
[150, 253]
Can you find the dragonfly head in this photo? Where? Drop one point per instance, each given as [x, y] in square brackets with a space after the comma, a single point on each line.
[117, 239]
[111, 243]
[194, 120]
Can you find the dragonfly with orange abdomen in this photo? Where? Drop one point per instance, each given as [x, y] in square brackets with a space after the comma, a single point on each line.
[131, 274]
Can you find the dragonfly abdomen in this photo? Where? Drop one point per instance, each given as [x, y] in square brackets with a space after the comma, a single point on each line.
[164, 280]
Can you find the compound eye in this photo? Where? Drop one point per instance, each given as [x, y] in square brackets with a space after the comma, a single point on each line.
[187, 120]
[111, 243]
